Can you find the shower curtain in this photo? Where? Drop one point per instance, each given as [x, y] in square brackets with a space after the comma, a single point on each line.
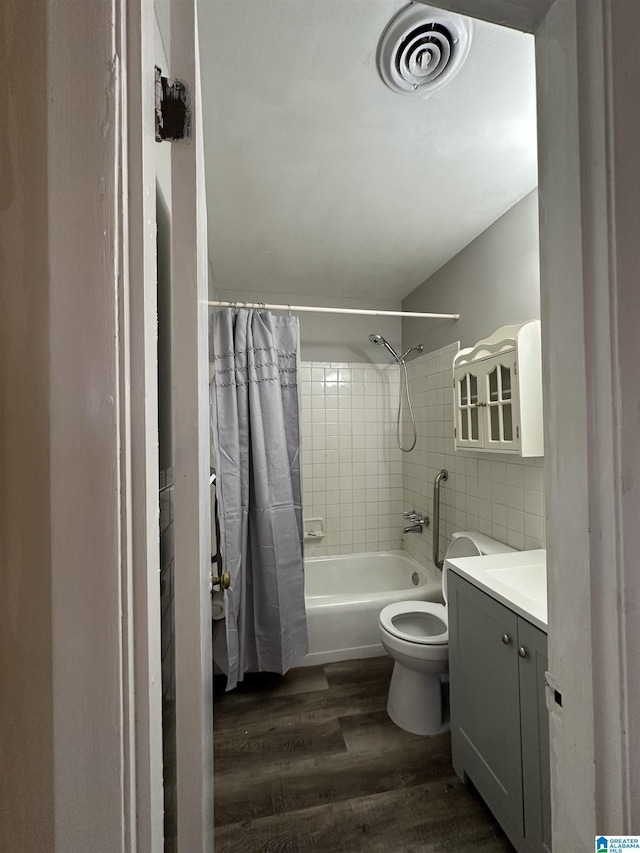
[256, 440]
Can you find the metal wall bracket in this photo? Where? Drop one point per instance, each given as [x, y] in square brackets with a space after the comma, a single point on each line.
[173, 110]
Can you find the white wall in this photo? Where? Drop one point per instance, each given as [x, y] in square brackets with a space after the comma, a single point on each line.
[494, 281]
[624, 298]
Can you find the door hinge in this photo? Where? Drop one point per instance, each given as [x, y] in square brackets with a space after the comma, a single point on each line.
[173, 109]
[517, 432]
[515, 369]
[455, 432]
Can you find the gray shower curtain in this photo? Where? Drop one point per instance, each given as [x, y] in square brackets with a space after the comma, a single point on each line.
[256, 439]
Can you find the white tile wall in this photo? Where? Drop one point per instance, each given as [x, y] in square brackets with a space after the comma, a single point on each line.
[359, 482]
[499, 495]
[351, 465]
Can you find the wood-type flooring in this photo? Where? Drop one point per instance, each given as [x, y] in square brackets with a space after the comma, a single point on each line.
[311, 762]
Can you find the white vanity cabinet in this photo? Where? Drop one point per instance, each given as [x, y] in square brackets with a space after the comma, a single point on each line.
[497, 386]
[499, 719]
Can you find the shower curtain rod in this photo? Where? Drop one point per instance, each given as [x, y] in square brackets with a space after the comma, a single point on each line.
[322, 310]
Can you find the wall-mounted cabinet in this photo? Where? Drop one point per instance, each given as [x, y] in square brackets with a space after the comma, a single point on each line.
[497, 387]
[499, 719]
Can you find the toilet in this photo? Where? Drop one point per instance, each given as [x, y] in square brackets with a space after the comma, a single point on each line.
[416, 635]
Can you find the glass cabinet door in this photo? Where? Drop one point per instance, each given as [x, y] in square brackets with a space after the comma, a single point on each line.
[499, 394]
[468, 421]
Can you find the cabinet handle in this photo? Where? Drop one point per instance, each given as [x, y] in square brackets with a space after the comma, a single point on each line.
[522, 652]
[506, 639]
[480, 405]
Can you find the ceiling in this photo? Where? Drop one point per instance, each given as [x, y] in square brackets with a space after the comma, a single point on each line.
[320, 180]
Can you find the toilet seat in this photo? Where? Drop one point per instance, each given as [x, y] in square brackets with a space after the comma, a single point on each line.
[416, 614]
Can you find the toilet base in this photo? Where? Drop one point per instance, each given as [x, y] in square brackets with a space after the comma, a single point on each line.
[415, 701]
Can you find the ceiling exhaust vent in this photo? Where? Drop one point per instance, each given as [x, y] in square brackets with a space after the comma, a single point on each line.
[422, 49]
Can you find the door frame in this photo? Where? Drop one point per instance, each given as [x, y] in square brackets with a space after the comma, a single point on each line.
[140, 283]
[191, 451]
[190, 406]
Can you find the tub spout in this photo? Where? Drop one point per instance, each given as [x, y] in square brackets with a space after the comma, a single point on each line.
[419, 523]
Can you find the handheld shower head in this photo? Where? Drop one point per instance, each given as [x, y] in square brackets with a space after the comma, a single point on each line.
[378, 340]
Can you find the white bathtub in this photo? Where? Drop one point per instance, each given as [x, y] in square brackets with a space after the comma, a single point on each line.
[345, 594]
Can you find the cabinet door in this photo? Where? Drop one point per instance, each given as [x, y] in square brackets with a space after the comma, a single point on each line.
[466, 406]
[535, 737]
[485, 698]
[499, 393]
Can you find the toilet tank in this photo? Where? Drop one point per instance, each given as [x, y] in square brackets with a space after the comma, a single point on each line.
[470, 543]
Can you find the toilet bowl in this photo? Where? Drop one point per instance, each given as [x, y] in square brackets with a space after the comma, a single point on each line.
[416, 635]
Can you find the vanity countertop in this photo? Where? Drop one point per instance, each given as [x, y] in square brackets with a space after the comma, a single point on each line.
[517, 579]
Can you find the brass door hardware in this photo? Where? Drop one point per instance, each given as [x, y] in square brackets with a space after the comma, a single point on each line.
[223, 580]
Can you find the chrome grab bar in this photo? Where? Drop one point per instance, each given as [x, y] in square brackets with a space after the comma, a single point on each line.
[443, 475]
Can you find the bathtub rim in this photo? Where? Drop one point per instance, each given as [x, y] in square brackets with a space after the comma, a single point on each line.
[428, 576]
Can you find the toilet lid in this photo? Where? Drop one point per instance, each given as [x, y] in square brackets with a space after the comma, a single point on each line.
[416, 622]
[469, 544]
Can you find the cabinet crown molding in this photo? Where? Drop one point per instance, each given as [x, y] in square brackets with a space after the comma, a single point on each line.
[502, 340]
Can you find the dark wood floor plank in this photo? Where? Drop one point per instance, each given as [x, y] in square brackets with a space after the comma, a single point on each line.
[409, 820]
[251, 752]
[266, 712]
[326, 780]
[374, 733]
[322, 768]
[359, 671]
[301, 680]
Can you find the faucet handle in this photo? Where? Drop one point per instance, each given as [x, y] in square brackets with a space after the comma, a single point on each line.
[410, 514]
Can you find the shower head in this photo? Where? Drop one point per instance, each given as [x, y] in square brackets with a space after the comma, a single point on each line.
[378, 340]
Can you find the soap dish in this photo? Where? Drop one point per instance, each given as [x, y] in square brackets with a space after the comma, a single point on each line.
[313, 529]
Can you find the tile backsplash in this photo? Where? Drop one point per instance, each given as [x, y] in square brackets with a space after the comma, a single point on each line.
[499, 495]
[351, 465]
